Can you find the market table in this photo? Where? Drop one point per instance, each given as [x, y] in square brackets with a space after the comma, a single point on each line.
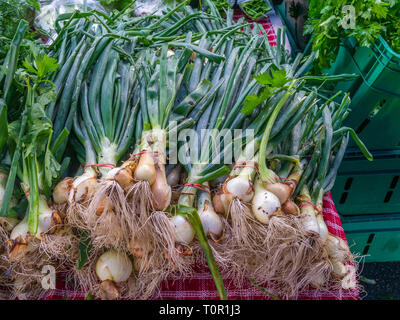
[201, 285]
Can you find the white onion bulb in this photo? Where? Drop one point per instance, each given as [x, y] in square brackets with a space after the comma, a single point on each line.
[113, 265]
[264, 203]
[184, 232]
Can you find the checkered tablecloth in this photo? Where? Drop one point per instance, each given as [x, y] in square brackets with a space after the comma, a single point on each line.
[265, 22]
[201, 285]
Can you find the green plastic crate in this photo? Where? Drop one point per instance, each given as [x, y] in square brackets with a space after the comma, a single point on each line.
[375, 94]
[363, 187]
[375, 237]
[375, 117]
[351, 59]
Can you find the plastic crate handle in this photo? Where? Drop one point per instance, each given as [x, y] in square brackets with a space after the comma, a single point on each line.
[381, 90]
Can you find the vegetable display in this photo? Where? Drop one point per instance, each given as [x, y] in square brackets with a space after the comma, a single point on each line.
[118, 171]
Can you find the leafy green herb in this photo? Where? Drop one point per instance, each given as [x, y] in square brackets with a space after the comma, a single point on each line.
[11, 12]
[272, 81]
[33, 159]
[372, 18]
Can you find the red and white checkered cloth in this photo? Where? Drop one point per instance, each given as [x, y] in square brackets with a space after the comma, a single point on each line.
[265, 22]
[201, 285]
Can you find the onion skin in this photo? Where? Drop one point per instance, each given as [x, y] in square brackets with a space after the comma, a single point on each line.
[135, 248]
[8, 223]
[20, 231]
[146, 170]
[264, 204]
[56, 222]
[113, 265]
[62, 190]
[184, 250]
[281, 190]
[49, 222]
[217, 202]
[108, 290]
[124, 177]
[339, 269]
[337, 248]
[174, 176]
[323, 229]
[161, 190]
[309, 220]
[339, 254]
[211, 222]
[49, 219]
[18, 246]
[289, 207]
[240, 187]
[84, 190]
[222, 200]
[105, 203]
[183, 177]
[184, 232]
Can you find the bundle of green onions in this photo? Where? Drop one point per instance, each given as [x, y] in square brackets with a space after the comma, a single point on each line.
[128, 89]
[266, 222]
[32, 146]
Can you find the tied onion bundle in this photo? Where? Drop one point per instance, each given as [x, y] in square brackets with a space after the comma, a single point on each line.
[265, 220]
[32, 147]
[118, 183]
[103, 131]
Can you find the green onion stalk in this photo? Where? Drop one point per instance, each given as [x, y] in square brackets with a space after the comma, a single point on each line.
[99, 200]
[299, 232]
[102, 95]
[203, 222]
[242, 196]
[7, 76]
[253, 203]
[270, 97]
[223, 102]
[318, 179]
[35, 165]
[8, 222]
[80, 50]
[194, 99]
[30, 158]
[110, 135]
[165, 106]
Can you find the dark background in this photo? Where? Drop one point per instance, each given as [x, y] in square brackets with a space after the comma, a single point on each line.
[386, 276]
